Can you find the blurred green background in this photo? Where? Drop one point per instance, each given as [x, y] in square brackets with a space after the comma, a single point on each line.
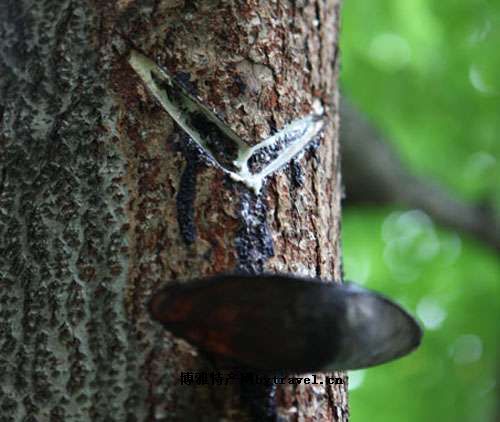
[427, 73]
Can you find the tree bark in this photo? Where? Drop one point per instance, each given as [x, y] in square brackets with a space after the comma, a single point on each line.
[103, 198]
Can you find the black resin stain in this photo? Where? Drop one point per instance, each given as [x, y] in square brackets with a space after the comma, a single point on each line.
[187, 191]
[260, 399]
[297, 177]
[265, 156]
[173, 90]
[254, 244]
[184, 80]
[220, 145]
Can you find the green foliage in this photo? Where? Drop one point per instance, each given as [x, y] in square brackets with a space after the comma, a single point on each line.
[452, 286]
[427, 73]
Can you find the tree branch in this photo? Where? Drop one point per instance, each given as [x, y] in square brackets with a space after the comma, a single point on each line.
[374, 174]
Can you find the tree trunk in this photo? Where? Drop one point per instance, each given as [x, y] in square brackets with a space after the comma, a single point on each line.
[103, 198]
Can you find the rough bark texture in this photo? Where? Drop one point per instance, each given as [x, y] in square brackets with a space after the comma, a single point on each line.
[103, 198]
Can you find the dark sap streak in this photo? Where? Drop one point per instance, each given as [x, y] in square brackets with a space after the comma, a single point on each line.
[187, 193]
